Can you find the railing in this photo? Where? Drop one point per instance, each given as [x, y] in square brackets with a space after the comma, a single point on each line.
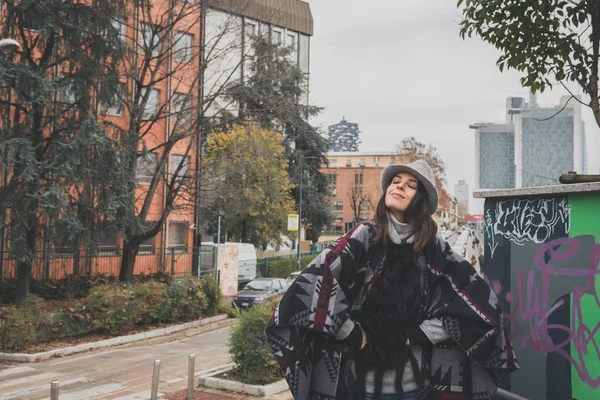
[178, 262]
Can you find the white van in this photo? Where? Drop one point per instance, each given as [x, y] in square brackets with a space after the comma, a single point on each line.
[246, 259]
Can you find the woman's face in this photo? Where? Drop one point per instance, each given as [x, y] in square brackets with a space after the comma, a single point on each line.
[400, 193]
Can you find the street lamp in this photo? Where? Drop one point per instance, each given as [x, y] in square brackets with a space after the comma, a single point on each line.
[9, 43]
[300, 204]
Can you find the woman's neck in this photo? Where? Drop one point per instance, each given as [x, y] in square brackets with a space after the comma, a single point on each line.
[399, 215]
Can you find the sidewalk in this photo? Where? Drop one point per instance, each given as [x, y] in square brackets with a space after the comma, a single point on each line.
[123, 373]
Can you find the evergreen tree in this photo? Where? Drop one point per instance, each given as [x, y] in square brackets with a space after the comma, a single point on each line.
[59, 168]
[270, 97]
[343, 136]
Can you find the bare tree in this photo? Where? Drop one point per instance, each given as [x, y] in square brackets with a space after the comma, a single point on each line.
[360, 201]
[174, 79]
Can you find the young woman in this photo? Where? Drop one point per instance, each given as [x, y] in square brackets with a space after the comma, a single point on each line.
[390, 312]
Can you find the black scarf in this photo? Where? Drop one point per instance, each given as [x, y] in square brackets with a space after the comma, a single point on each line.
[391, 308]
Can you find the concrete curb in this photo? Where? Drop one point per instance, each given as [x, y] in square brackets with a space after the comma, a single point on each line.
[239, 387]
[32, 358]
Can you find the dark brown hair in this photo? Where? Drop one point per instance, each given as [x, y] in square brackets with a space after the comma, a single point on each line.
[416, 214]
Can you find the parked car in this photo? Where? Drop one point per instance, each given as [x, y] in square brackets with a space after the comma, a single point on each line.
[292, 277]
[260, 291]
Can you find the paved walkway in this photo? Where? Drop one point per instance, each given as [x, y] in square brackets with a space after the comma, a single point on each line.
[119, 373]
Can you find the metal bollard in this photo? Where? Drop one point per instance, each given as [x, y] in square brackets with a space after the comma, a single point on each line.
[54, 390]
[155, 375]
[191, 367]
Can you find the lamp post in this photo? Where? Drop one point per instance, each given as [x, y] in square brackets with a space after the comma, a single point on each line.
[9, 43]
[300, 204]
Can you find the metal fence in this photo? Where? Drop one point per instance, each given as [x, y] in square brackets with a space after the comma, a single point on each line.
[262, 264]
[178, 262]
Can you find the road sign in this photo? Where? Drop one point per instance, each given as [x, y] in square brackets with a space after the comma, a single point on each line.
[292, 222]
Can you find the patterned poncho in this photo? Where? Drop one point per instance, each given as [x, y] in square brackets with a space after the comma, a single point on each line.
[321, 301]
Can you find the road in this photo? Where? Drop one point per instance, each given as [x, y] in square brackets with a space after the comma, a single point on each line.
[118, 374]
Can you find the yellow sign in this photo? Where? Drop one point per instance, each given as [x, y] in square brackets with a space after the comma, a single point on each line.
[292, 222]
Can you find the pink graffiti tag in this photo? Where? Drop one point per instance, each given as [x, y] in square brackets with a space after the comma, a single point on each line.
[532, 306]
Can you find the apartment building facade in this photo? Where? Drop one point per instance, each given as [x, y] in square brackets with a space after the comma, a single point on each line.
[191, 60]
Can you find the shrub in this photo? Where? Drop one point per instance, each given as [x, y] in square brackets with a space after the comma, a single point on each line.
[71, 286]
[112, 307]
[71, 323]
[249, 348]
[189, 299]
[283, 267]
[18, 327]
[212, 291]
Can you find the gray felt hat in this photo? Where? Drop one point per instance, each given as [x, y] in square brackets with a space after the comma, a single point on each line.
[422, 171]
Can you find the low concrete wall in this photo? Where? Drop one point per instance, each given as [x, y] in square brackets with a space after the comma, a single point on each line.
[227, 265]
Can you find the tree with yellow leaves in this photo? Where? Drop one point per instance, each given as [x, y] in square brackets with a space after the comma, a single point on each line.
[249, 179]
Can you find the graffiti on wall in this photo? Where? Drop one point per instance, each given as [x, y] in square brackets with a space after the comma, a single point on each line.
[546, 273]
[521, 220]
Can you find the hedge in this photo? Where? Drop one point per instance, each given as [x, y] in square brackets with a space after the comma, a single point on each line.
[69, 287]
[283, 267]
[114, 308]
[255, 363]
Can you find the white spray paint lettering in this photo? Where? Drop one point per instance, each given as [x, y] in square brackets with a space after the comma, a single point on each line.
[523, 220]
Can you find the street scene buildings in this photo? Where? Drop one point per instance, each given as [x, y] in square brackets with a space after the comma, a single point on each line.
[170, 169]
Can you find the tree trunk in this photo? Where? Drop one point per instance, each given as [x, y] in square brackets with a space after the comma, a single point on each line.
[24, 265]
[244, 232]
[128, 261]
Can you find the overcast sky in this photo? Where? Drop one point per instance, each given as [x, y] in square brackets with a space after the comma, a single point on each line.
[400, 69]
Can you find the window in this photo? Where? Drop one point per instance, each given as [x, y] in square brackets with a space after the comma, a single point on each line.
[183, 47]
[291, 40]
[358, 179]
[250, 30]
[338, 204]
[178, 235]
[108, 240]
[334, 162]
[337, 217]
[334, 191]
[362, 161]
[147, 246]
[365, 205]
[114, 105]
[393, 160]
[63, 243]
[348, 162]
[150, 41]
[363, 217]
[146, 165]
[151, 106]
[333, 179]
[174, 163]
[374, 159]
[121, 28]
[181, 108]
[30, 20]
[68, 93]
[276, 37]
